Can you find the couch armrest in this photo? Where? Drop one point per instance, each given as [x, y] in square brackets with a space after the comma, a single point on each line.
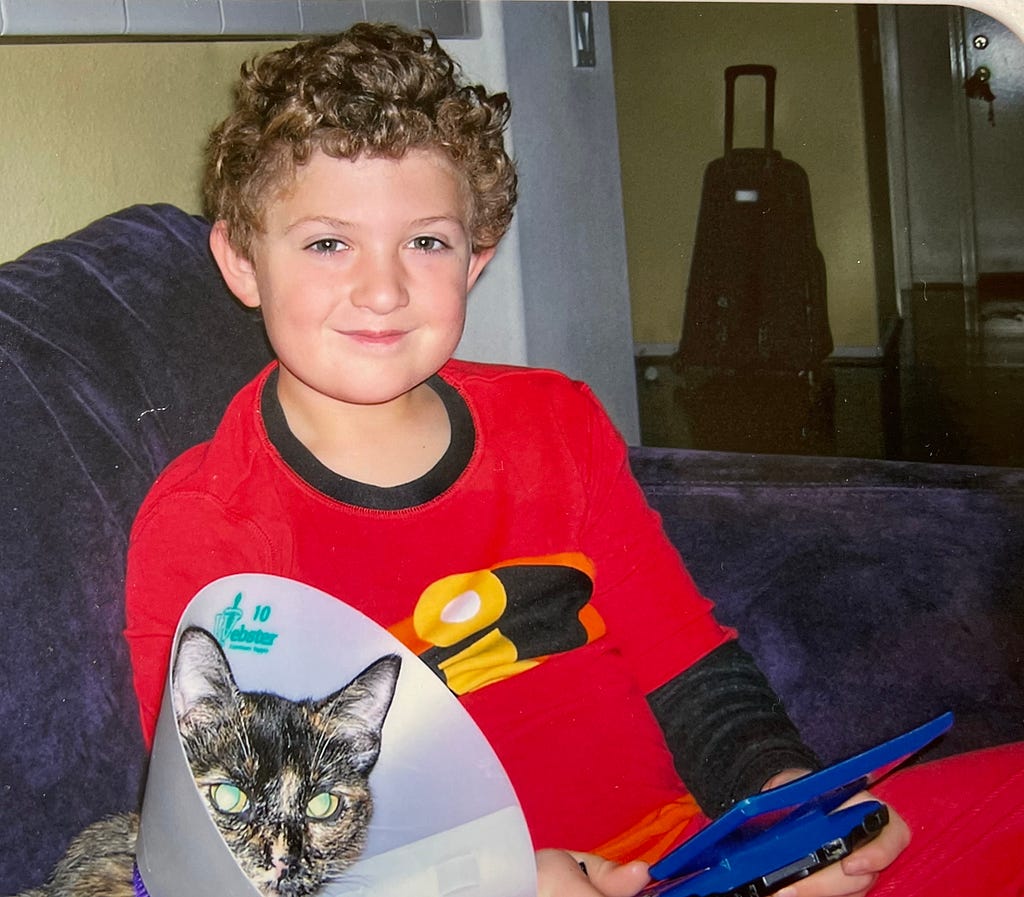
[874, 594]
[119, 348]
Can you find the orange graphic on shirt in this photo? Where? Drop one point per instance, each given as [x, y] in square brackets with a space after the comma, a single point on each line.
[474, 629]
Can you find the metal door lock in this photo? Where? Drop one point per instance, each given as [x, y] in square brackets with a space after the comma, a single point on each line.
[978, 88]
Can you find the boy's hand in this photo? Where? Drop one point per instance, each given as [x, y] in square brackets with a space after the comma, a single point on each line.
[559, 875]
[855, 875]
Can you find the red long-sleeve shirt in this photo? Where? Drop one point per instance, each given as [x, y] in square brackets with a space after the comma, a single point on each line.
[545, 590]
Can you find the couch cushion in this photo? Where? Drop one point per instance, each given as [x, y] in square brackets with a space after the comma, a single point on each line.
[874, 594]
[119, 348]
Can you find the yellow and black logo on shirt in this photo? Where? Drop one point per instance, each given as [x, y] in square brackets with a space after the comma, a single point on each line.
[475, 629]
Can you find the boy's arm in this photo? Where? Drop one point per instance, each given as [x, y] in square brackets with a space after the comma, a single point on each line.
[180, 543]
[722, 720]
[660, 621]
[727, 729]
[753, 746]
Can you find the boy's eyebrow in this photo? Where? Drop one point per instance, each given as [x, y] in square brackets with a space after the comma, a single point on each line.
[330, 221]
[317, 219]
[433, 219]
[443, 219]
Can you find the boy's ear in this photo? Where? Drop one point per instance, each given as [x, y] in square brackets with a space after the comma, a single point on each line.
[477, 262]
[237, 270]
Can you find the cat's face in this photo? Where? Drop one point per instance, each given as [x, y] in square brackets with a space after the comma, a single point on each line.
[286, 782]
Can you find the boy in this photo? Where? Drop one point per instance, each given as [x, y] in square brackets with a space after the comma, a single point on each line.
[484, 514]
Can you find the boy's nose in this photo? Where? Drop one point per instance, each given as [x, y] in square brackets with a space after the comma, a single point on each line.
[380, 286]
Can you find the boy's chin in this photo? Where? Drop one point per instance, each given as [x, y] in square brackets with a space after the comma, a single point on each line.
[358, 389]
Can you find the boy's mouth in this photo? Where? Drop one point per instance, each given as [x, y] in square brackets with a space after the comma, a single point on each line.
[375, 337]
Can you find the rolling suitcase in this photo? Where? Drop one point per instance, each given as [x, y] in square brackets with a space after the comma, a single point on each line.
[756, 296]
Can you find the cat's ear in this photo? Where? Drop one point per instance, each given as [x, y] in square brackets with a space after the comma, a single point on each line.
[201, 673]
[356, 712]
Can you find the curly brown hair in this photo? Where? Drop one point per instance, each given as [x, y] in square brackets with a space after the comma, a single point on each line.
[373, 90]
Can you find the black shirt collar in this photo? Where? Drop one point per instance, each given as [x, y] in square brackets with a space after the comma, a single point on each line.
[441, 477]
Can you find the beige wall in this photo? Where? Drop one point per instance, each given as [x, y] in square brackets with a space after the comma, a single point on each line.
[669, 61]
[92, 127]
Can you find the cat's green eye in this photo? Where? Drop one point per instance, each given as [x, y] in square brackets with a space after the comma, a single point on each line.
[323, 806]
[228, 798]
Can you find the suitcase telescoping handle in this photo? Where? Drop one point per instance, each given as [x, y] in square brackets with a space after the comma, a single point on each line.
[731, 74]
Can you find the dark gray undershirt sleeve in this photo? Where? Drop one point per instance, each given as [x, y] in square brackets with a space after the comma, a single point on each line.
[727, 729]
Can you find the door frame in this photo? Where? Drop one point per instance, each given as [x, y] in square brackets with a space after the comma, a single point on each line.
[888, 30]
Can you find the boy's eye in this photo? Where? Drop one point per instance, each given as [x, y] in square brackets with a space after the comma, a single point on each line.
[428, 244]
[228, 798]
[327, 246]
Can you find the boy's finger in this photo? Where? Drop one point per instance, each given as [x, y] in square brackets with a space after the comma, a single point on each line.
[830, 882]
[612, 879]
[882, 851]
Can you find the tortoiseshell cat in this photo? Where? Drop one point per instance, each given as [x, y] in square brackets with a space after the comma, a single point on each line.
[285, 781]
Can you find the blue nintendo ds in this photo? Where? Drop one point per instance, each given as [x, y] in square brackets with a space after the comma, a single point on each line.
[777, 837]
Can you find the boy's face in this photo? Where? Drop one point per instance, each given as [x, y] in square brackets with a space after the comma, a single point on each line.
[361, 270]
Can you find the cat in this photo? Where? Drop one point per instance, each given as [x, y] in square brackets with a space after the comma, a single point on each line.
[286, 782]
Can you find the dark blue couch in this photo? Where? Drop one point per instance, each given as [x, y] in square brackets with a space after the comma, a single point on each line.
[874, 594]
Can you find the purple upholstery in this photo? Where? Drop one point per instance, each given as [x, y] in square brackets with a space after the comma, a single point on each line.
[874, 594]
[119, 348]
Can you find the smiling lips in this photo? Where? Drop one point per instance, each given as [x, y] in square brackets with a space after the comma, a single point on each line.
[375, 337]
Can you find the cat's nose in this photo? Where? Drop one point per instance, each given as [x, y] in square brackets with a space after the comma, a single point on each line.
[283, 865]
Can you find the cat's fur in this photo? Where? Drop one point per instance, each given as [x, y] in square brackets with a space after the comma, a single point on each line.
[282, 754]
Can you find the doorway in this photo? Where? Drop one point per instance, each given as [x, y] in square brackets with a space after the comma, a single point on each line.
[955, 109]
[994, 81]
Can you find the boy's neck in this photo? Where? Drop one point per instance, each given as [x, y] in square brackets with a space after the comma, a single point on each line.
[379, 445]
